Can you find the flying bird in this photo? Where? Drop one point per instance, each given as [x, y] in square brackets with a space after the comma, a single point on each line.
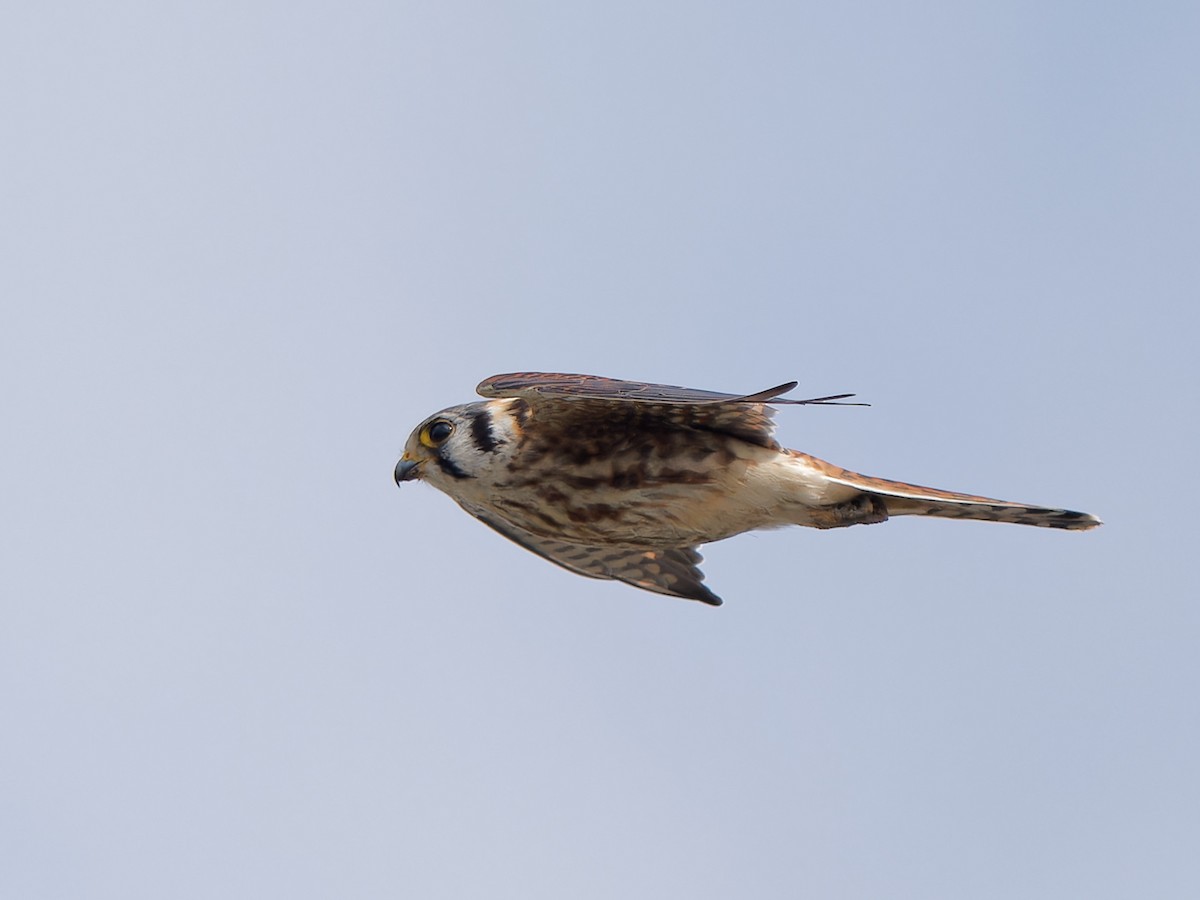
[623, 480]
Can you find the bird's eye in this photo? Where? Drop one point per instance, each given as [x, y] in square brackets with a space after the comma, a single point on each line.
[436, 432]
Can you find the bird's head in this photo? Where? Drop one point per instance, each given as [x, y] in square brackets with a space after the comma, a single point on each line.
[454, 445]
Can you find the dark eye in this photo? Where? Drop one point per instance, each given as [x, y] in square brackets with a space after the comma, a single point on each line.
[437, 432]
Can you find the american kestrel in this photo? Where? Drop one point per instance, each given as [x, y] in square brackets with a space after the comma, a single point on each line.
[622, 480]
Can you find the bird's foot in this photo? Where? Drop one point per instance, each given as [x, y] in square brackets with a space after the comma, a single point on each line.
[865, 509]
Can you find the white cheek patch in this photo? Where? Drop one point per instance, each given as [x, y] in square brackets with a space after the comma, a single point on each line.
[505, 429]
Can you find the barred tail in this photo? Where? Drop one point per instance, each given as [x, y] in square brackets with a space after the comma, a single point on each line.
[903, 499]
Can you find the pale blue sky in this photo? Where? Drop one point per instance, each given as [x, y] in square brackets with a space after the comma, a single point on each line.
[248, 246]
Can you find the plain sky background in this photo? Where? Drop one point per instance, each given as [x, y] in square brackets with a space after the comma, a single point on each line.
[247, 247]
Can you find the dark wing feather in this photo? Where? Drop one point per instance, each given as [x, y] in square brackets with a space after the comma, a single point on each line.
[534, 386]
[674, 572]
[578, 402]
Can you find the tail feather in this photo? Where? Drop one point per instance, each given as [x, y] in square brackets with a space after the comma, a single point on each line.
[904, 499]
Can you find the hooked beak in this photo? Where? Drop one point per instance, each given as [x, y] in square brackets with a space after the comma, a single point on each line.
[406, 470]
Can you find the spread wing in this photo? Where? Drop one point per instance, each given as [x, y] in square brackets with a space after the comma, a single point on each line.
[538, 385]
[674, 572]
[579, 397]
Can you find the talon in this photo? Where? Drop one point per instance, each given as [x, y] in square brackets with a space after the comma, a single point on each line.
[865, 509]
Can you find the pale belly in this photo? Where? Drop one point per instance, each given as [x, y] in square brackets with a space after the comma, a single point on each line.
[612, 502]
